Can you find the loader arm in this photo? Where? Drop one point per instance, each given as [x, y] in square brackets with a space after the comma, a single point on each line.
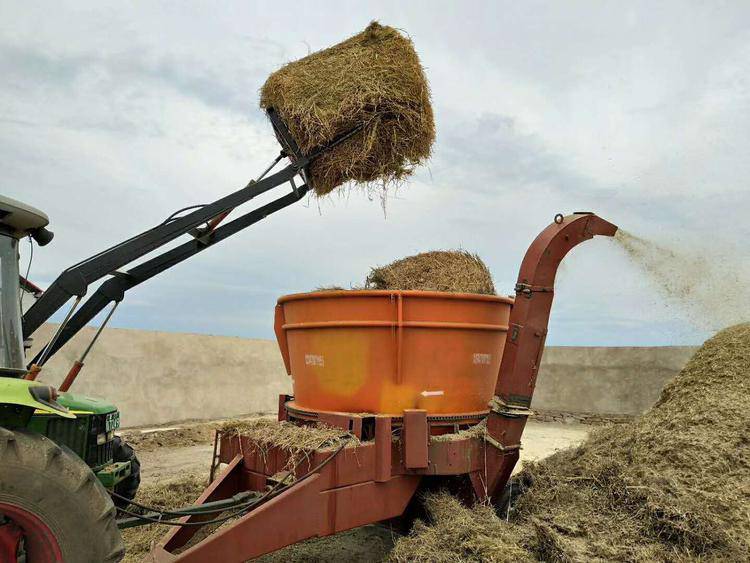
[113, 290]
[522, 355]
[75, 281]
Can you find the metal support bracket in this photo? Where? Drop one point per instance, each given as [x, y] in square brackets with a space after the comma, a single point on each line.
[497, 405]
[527, 290]
[494, 443]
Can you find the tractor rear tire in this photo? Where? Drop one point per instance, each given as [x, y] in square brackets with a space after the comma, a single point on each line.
[56, 497]
[128, 487]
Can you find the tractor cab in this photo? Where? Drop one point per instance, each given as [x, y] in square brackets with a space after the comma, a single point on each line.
[83, 424]
[17, 220]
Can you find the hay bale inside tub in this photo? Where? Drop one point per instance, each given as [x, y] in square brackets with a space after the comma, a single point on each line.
[373, 80]
[454, 271]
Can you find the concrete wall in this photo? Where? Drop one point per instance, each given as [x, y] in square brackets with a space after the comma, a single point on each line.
[606, 380]
[156, 377]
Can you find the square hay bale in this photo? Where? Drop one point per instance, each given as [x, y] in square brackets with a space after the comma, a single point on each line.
[374, 80]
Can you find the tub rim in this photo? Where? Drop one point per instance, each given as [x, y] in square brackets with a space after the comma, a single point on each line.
[322, 294]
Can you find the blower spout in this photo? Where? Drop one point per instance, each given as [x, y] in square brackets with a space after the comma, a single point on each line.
[539, 266]
[527, 332]
[596, 225]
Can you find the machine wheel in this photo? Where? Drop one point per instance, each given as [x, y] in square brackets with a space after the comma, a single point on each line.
[128, 487]
[52, 507]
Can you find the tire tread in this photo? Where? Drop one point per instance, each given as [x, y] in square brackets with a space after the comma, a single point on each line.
[34, 464]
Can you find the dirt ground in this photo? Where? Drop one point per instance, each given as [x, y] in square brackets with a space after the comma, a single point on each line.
[162, 459]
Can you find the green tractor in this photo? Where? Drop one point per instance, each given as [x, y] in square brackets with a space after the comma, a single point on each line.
[92, 435]
[59, 457]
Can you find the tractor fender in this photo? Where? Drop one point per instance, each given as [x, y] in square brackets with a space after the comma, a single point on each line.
[32, 394]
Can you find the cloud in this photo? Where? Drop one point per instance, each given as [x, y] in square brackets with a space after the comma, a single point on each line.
[126, 113]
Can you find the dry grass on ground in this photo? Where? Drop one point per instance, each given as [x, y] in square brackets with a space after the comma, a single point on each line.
[673, 485]
[369, 544]
[170, 438]
[176, 493]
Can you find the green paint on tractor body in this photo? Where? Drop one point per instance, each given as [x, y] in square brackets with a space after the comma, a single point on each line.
[89, 435]
[85, 425]
[76, 402]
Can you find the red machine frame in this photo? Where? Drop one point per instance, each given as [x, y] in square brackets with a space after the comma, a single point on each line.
[339, 489]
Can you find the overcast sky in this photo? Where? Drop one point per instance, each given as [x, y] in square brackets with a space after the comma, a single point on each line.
[113, 115]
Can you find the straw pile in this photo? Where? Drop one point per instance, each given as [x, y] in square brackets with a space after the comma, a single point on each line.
[457, 534]
[297, 440]
[368, 544]
[374, 80]
[455, 271]
[672, 485]
[474, 431]
[170, 494]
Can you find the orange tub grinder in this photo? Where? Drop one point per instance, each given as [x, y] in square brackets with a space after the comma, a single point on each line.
[396, 369]
[383, 352]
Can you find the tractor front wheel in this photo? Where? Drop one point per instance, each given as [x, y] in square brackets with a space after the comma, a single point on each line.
[52, 507]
